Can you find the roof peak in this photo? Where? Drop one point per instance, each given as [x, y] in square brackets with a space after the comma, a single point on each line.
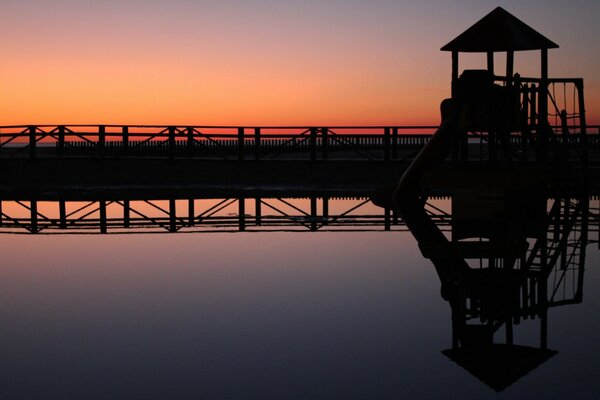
[499, 30]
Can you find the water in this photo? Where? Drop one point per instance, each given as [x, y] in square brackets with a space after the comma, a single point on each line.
[314, 315]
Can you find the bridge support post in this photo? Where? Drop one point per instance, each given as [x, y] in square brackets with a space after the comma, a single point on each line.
[103, 223]
[191, 212]
[313, 144]
[61, 141]
[32, 141]
[257, 144]
[172, 216]
[101, 140]
[34, 216]
[171, 142]
[242, 213]
[126, 213]
[125, 139]
[241, 144]
[190, 141]
[324, 132]
[62, 211]
[386, 144]
[258, 212]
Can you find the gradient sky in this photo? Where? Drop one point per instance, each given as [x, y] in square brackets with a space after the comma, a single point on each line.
[260, 62]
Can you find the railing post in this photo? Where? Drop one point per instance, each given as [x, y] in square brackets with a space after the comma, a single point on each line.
[125, 139]
[126, 214]
[191, 212]
[313, 144]
[34, 216]
[242, 213]
[394, 143]
[171, 142]
[257, 144]
[190, 141]
[101, 140]
[172, 215]
[103, 222]
[386, 144]
[62, 210]
[313, 213]
[241, 144]
[61, 141]
[258, 212]
[32, 141]
[324, 132]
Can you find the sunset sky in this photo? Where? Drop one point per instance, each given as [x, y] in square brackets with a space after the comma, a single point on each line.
[260, 62]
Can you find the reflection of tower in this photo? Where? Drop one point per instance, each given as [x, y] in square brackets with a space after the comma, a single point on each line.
[524, 258]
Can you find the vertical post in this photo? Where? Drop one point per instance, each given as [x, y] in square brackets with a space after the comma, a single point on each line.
[241, 144]
[103, 222]
[313, 144]
[454, 72]
[61, 141]
[191, 212]
[324, 132]
[126, 213]
[172, 215]
[62, 211]
[242, 213]
[0, 212]
[171, 142]
[257, 144]
[490, 62]
[34, 216]
[510, 67]
[582, 124]
[543, 90]
[190, 141]
[313, 213]
[325, 210]
[387, 220]
[509, 330]
[386, 144]
[32, 141]
[394, 143]
[258, 211]
[125, 139]
[101, 140]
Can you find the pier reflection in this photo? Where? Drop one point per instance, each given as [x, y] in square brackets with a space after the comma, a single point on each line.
[504, 261]
[226, 211]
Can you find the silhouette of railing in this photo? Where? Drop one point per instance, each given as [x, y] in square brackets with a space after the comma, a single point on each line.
[314, 213]
[232, 143]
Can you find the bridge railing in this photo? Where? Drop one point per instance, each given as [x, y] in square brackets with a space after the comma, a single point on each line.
[376, 143]
[228, 142]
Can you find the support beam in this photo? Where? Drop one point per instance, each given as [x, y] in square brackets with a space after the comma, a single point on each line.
[242, 213]
[172, 215]
[103, 222]
[62, 211]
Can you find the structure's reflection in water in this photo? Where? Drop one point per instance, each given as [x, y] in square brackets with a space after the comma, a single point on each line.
[506, 258]
[321, 315]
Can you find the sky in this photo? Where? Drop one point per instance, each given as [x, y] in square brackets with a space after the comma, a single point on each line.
[261, 62]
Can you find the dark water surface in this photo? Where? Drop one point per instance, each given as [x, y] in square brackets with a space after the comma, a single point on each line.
[323, 315]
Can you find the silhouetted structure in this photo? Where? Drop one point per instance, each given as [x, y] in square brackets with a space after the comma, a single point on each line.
[520, 220]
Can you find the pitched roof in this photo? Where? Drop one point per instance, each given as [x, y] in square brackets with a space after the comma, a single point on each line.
[499, 31]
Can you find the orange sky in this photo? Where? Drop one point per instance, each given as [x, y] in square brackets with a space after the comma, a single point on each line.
[256, 62]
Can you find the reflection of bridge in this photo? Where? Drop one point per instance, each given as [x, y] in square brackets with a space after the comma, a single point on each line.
[250, 213]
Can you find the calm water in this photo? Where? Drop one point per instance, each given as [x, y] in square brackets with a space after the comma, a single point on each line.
[254, 316]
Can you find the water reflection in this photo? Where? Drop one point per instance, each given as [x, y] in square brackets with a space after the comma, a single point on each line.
[275, 315]
[507, 258]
